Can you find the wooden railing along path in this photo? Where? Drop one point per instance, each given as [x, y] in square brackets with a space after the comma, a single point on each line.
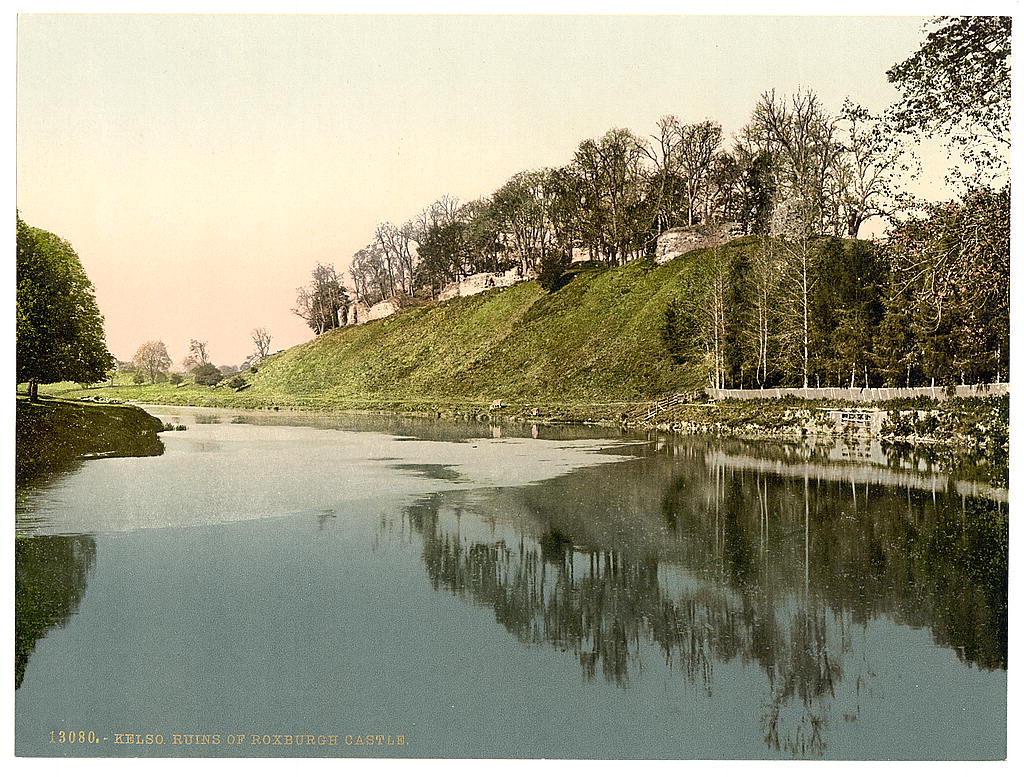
[660, 406]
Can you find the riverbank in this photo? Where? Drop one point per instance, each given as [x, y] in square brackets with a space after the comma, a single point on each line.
[970, 435]
[53, 433]
[561, 410]
[972, 430]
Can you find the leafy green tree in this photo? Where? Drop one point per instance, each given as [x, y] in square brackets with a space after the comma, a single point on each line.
[207, 375]
[444, 255]
[958, 85]
[59, 326]
[699, 328]
[847, 311]
[522, 212]
[562, 203]
[896, 354]
[551, 276]
[616, 219]
[482, 233]
[741, 187]
[953, 263]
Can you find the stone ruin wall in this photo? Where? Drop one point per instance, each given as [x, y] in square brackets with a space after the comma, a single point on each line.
[382, 309]
[679, 240]
[671, 243]
[480, 282]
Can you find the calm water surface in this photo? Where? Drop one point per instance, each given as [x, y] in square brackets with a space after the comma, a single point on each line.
[485, 592]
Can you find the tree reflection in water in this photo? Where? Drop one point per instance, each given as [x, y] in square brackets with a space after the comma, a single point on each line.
[715, 564]
[51, 574]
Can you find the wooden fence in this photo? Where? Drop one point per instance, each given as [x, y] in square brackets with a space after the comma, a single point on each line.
[863, 394]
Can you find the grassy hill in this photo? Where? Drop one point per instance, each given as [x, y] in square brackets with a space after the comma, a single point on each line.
[595, 341]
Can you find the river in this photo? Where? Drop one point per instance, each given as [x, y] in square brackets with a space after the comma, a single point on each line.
[315, 586]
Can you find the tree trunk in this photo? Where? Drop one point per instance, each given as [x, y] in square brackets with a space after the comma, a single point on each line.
[33, 391]
[806, 332]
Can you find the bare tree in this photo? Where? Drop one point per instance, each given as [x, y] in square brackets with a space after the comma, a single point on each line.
[370, 278]
[801, 137]
[439, 214]
[324, 304]
[765, 272]
[800, 277]
[696, 149]
[397, 255]
[864, 173]
[261, 341]
[197, 354]
[664, 153]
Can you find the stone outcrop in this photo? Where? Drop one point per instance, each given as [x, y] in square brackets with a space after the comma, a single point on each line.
[357, 313]
[679, 240]
[791, 218]
[484, 281]
[382, 309]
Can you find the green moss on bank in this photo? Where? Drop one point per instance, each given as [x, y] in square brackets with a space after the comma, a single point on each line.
[53, 433]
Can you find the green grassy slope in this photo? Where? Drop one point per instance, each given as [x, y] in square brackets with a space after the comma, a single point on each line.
[594, 340]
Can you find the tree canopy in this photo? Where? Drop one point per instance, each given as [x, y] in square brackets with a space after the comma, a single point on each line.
[152, 358]
[958, 84]
[59, 326]
[324, 304]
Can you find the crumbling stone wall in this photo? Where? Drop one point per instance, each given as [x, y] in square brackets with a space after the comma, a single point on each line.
[474, 284]
[679, 240]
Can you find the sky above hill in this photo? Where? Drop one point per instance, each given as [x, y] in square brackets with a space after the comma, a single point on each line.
[202, 165]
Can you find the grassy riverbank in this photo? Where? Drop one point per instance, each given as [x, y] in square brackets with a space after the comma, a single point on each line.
[591, 352]
[52, 433]
[967, 438]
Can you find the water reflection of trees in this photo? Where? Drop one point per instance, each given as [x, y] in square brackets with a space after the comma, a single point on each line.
[775, 572]
[51, 574]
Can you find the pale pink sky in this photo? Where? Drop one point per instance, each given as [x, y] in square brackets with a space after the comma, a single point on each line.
[202, 165]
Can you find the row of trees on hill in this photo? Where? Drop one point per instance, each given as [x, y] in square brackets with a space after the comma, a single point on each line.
[621, 190]
[796, 171]
[929, 305]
